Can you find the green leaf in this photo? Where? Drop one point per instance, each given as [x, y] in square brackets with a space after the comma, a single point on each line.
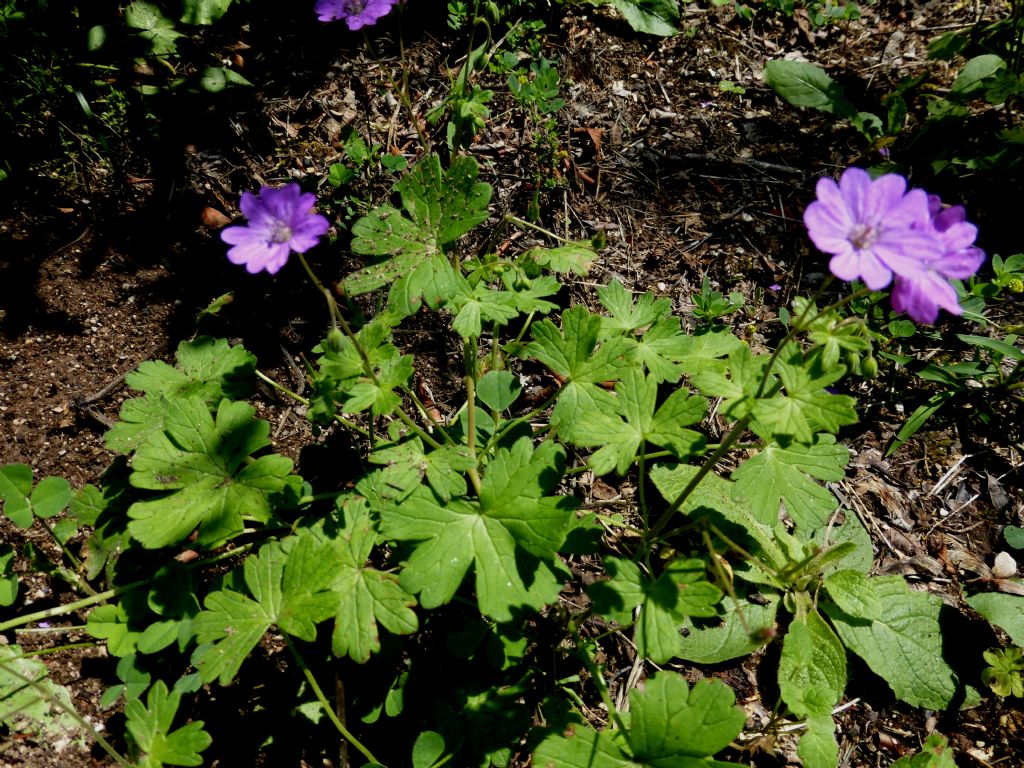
[704, 350]
[474, 304]
[1003, 675]
[730, 639]
[622, 439]
[812, 668]
[652, 17]
[15, 486]
[628, 315]
[292, 589]
[364, 595]
[714, 500]
[805, 406]
[8, 578]
[575, 258]
[153, 26]
[203, 12]
[509, 535]
[901, 641]
[31, 703]
[207, 368]
[205, 466]
[806, 85]
[1003, 610]
[1014, 536]
[854, 593]
[975, 72]
[670, 725]
[789, 474]
[498, 389]
[427, 749]
[149, 726]
[664, 603]
[574, 354]
[110, 623]
[817, 747]
[51, 496]
[439, 206]
[737, 384]
[935, 753]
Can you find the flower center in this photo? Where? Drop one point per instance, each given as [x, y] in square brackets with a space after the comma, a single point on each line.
[281, 233]
[355, 7]
[862, 236]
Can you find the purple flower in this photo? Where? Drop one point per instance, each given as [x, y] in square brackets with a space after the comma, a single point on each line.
[876, 231]
[356, 13]
[280, 221]
[920, 293]
[867, 226]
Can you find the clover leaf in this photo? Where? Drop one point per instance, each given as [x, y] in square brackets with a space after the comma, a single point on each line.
[509, 535]
[21, 503]
[149, 726]
[664, 603]
[205, 465]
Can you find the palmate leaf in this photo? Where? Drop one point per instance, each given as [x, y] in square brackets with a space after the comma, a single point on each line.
[207, 368]
[622, 438]
[669, 725]
[206, 468]
[712, 643]
[509, 535]
[629, 314]
[573, 353]
[364, 595]
[149, 726]
[439, 206]
[473, 305]
[805, 406]
[292, 589]
[789, 474]
[664, 603]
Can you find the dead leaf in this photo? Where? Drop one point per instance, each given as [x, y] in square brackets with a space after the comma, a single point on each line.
[214, 219]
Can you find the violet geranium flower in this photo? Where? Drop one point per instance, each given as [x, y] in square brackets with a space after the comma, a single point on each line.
[867, 226]
[920, 294]
[280, 221]
[356, 13]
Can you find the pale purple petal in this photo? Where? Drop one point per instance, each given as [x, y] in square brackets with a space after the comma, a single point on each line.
[921, 296]
[280, 221]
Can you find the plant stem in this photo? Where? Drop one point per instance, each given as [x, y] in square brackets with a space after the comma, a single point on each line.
[70, 712]
[709, 463]
[328, 709]
[303, 401]
[529, 225]
[64, 610]
[474, 476]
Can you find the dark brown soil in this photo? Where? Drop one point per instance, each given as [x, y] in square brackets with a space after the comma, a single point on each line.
[689, 182]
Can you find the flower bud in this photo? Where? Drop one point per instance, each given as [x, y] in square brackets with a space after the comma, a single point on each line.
[335, 340]
[869, 367]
